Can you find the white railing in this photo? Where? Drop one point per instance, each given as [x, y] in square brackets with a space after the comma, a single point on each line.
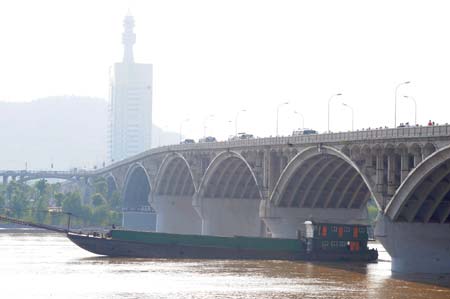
[373, 134]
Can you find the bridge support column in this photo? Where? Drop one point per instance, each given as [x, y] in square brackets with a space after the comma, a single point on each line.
[5, 179]
[415, 247]
[284, 222]
[175, 214]
[391, 170]
[139, 220]
[404, 165]
[229, 216]
[380, 173]
[417, 159]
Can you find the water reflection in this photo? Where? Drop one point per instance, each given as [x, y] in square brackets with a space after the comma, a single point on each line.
[49, 265]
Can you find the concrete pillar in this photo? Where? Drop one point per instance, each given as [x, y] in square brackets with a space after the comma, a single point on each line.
[229, 217]
[270, 171]
[176, 215]
[283, 162]
[417, 159]
[380, 173]
[285, 222]
[415, 247]
[139, 220]
[5, 179]
[368, 165]
[404, 165]
[391, 180]
[274, 170]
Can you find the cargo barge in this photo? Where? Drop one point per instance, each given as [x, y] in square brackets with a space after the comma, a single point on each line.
[330, 242]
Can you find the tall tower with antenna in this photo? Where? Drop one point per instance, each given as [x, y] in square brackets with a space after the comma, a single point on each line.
[130, 101]
[128, 39]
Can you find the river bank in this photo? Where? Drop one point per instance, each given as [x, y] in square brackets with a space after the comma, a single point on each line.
[16, 228]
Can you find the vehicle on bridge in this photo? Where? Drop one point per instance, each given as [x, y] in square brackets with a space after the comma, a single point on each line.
[241, 136]
[321, 241]
[187, 141]
[208, 139]
[304, 132]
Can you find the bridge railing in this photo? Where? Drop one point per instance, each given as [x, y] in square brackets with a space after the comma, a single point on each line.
[373, 134]
[362, 135]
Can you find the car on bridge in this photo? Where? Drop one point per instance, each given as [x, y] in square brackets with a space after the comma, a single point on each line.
[241, 136]
[208, 139]
[304, 132]
[187, 141]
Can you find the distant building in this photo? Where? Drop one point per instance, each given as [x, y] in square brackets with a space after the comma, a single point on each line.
[130, 102]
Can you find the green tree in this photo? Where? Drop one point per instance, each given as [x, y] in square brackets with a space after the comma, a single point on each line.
[101, 186]
[19, 205]
[372, 211]
[72, 203]
[42, 187]
[59, 197]
[2, 203]
[115, 217]
[115, 202]
[100, 216]
[98, 200]
[18, 198]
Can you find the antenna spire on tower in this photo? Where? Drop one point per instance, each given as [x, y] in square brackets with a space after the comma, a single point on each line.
[128, 38]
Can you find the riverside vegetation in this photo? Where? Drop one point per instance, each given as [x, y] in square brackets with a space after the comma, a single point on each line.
[45, 202]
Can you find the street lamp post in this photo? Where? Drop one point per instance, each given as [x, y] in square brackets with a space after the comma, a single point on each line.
[415, 108]
[236, 121]
[353, 115]
[181, 126]
[303, 119]
[395, 108]
[204, 123]
[278, 110]
[329, 101]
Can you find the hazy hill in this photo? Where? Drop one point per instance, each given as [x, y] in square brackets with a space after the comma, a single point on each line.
[68, 131]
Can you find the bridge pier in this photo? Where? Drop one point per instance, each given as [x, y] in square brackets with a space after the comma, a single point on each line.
[284, 222]
[139, 220]
[175, 214]
[415, 247]
[229, 216]
[5, 179]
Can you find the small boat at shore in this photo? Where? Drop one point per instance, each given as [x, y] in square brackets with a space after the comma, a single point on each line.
[330, 242]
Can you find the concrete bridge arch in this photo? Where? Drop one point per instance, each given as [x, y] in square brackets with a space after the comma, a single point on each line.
[137, 213]
[320, 183]
[112, 184]
[415, 222]
[173, 195]
[322, 168]
[424, 196]
[228, 197]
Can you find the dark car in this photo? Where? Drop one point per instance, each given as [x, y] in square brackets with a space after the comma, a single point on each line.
[304, 132]
[187, 141]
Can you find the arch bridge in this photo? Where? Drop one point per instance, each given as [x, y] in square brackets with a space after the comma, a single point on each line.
[268, 186]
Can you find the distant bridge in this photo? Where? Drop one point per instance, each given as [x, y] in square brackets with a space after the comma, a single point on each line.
[271, 185]
[28, 175]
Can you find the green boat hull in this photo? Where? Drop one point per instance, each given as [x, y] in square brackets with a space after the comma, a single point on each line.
[122, 243]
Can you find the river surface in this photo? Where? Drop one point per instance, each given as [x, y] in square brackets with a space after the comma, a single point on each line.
[42, 265]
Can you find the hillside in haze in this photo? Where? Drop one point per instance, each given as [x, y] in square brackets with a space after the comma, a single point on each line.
[66, 131]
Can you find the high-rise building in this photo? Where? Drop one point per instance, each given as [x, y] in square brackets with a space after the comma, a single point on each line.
[130, 102]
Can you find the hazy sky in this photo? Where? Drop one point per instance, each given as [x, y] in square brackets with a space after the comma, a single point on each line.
[218, 57]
